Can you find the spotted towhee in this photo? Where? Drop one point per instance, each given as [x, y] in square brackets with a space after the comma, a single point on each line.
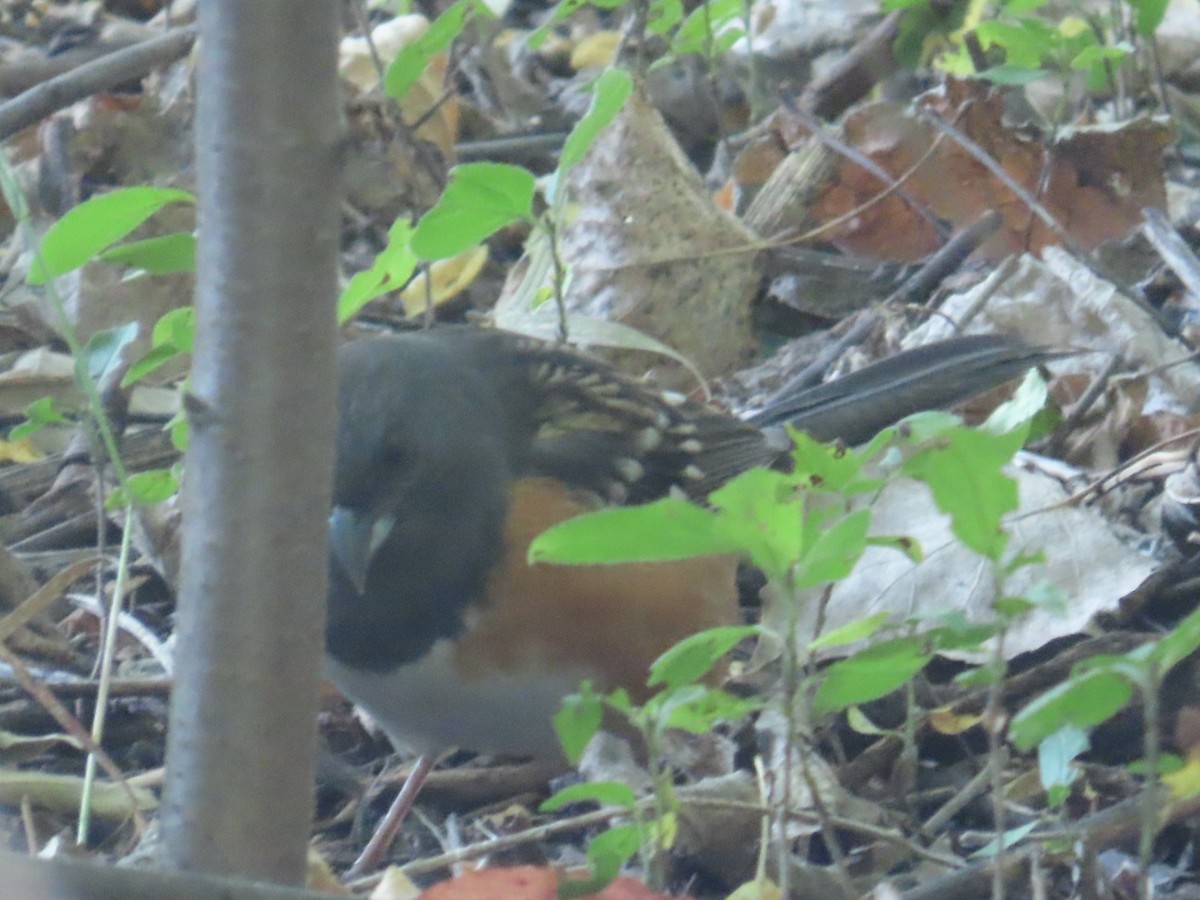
[457, 446]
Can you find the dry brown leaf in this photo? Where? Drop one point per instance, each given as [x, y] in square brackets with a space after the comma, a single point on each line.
[648, 247]
[1095, 182]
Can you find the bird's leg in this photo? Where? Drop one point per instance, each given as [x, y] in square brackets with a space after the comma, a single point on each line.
[385, 832]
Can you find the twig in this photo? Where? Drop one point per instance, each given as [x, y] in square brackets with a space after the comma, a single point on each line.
[102, 74]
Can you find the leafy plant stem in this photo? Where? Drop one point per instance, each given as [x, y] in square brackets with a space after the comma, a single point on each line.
[99, 420]
[758, 98]
[907, 762]
[651, 850]
[1150, 684]
[558, 274]
[108, 654]
[791, 696]
[993, 718]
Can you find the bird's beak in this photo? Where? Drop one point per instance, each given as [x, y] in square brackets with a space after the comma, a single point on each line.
[353, 539]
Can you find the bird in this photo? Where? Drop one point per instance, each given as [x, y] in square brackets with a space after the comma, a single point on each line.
[457, 445]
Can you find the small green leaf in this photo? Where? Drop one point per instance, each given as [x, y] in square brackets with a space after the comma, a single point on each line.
[390, 271]
[665, 15]
[174, 334]
[715, 18]
[480, 199]
[155, 358]
[964, 470]
[102, 353]
[1016, 413]
[870, 674]
[834, 551]
[607, 853]
[176, 328]
[1082, 701]
[1178, 644]
[697, 709]
[1011, 608]
[1091, 57]
[693, 657]
[158, 255]
[1056, 755]
[609, 94]
[667, 529]
[38, 415]
[830, 467]
[408, 65]
[180, 431]
[80, 235]
[606, 793]
[145, 488]
[858, 630]
[1150, 14]
[760, 513]
[578, 720]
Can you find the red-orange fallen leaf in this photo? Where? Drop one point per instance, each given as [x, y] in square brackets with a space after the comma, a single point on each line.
[507, 883]
[1095, 182]
[529, 883]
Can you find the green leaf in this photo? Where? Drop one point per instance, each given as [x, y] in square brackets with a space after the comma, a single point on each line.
[667, 529]
[80, 235]
[1027, 401]
[578, 720]
[480, 199]
[606, 793]
[901, 543]
[158, 255]
[155, 358]
[920, 22]
[145, 488]
[957, 632]
[710, 19]
[1056, 755]
[834, 551]
[174, 334]
[1082, 701]
[411, 61]
[180, 431]
[1011, 608]
[665, 15]
[858, 630]
[609, 94]
[176, 328]
[964, 470]
[391, 270]
[922, 427]
[1150, 14]
[1177, 644]
[693, 657]
[697, 709]
[1091, 57]
[760, 513]
[830, 467]
[607, 853]
[38, 415]
[870, 674]
[102, 353]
